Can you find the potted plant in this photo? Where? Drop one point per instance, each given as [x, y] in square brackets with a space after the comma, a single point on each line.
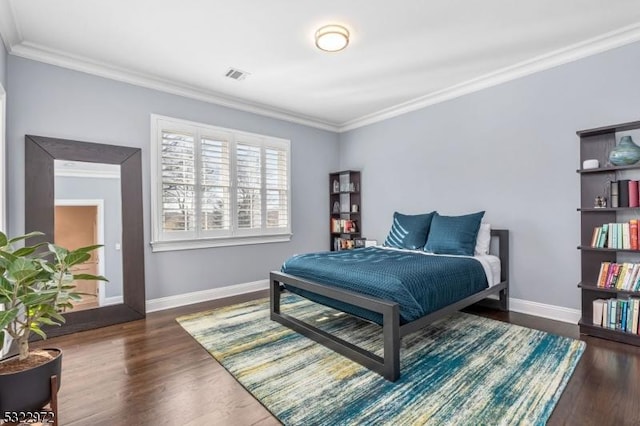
[36, 287]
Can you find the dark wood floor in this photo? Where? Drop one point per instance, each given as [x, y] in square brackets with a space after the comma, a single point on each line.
[151, 372]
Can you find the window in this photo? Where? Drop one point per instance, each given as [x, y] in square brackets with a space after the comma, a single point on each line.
[216, 187]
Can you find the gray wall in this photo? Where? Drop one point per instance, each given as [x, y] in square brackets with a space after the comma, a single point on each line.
[3, 65]
[50, 101]
[108, 190]
[510, 150]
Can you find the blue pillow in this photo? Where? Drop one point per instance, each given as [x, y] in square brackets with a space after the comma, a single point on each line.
[454, 234]
[409, 231]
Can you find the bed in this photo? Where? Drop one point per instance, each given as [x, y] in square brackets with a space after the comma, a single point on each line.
[401, 290]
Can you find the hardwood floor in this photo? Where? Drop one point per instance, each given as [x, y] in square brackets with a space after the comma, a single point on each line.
[151, 372]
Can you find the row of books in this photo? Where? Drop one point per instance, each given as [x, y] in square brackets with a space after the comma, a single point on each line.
[616, 235]
[343, 226]
[624, 193]
[621, 276]
[617, 314]
[348, 244]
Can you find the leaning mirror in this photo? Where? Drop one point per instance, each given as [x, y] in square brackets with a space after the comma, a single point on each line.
[78, 193]
[88, 212]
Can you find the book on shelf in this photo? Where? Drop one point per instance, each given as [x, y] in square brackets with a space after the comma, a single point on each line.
[598, 306]
[603, 235]
[624, 271]
[619, 276]
[618, 314]
[621, 323]
[614, 194]
[340, 226]
[633, 193]
[343, 244]
[634, 318]
[623, 191]
[626, 238]
[596, 236]
[613, 308]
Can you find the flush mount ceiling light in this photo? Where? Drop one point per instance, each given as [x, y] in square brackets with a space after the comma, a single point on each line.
[332, 38]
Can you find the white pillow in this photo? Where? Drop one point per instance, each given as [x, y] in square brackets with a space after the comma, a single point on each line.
[484, 239]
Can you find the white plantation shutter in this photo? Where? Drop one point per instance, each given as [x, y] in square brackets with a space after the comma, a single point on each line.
[215, 183]
[277, 187]
[249, 186]
[214, 186]
[178, 181]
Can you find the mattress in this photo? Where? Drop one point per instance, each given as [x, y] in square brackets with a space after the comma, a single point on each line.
[419, 282]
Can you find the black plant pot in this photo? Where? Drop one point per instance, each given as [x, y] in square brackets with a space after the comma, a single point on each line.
[29, 390]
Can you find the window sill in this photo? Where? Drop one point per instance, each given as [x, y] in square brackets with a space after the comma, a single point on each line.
[158, 246]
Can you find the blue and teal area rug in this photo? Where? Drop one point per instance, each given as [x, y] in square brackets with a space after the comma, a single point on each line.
[462, 370]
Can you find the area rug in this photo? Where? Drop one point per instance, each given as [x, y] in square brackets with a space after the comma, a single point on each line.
[461, 370]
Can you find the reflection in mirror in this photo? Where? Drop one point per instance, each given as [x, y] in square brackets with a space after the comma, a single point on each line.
[88, 211]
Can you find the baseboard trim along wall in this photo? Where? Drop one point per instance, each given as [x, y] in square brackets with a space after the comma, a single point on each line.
[543, 310]
[169, 302]
[558, 313]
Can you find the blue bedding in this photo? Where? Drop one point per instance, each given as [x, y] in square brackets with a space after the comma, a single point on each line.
[419, 283]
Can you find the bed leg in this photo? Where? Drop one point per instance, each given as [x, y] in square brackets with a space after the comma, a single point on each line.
[391, 336]
[504, 299]
[274, 297]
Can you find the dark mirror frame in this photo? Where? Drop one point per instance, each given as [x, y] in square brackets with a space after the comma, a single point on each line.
[40, 153]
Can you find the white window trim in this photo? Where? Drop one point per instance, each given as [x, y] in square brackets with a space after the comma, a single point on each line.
[160, 243]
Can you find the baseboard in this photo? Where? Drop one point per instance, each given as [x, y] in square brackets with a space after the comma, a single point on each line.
[169, 302]
[543, 310]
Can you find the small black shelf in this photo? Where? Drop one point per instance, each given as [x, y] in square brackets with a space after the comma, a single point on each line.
[609, 169]
[348, 199]
[594, 287]
[589, 248]
[605, 209]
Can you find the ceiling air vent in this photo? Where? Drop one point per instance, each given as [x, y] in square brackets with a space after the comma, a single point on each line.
[236, 74]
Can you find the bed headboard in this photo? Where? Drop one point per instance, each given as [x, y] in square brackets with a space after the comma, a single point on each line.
[502, 237]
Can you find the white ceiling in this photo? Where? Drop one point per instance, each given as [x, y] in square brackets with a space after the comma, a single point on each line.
[403, 55]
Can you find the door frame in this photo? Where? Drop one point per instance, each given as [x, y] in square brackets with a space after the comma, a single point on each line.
[99, 203]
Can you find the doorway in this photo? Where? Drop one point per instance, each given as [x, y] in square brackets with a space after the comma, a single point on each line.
[79, 223]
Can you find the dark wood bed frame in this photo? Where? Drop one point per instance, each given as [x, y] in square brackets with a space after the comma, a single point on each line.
[389, 365]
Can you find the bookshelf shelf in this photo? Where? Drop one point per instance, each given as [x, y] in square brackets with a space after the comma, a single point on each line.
[606, 249]
[606, 209]
[594, 287]
[345, 204]
[609, 169]
[608, 333]
[597, 144]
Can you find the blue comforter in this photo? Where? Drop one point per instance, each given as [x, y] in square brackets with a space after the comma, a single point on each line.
[419, 283]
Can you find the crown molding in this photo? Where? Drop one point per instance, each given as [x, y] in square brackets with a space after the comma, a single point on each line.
[13, 40]
[47, 55]
[553, 59]
[9, 30]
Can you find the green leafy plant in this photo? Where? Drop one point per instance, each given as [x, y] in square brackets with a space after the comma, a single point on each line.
[36, 286]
